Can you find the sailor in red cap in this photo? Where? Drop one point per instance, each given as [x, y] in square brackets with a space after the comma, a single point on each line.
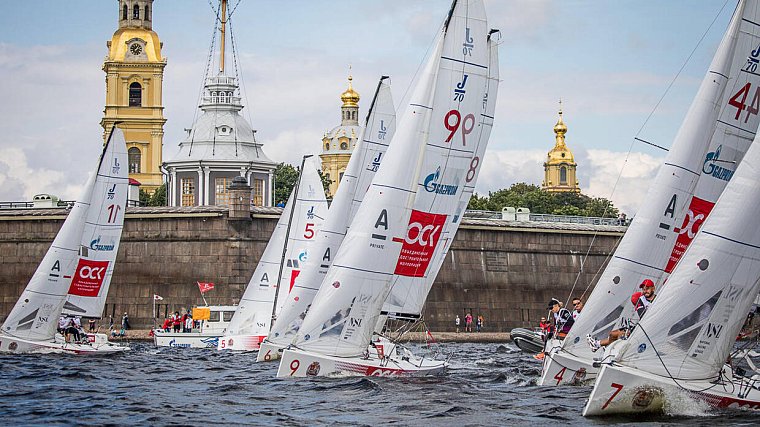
[641, 301]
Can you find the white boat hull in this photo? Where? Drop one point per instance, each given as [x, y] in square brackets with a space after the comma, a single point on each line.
[96, 344]
[561, 368]
[186, 339]
[240, 342]
[624, 390]
[269, 352]
[298, 363]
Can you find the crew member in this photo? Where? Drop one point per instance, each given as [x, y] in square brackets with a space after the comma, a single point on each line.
[641, 301]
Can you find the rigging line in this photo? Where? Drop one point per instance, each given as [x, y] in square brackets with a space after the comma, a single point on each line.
[630, 148]
[203, 81]
[242, 91]
[651, 143]
[234, 8]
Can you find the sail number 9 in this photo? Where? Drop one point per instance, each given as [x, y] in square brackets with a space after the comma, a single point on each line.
[454, 127]
[739, 101]
[294, 365]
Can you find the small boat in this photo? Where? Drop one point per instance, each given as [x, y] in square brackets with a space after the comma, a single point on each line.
[680, 348]
[214, 322]
[410, 212]
[712, 140]
[527, 340]
[75, 273]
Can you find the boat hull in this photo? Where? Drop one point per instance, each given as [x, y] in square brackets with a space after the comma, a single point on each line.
[269, 352]
[186, 339]
[561, 368]
[527, 340]
[298, 363]
[240, 342]
[97, 344]
[624, 390]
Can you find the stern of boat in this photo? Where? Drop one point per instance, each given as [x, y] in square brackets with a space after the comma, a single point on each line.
[298, 363]
[240, 342]
[561, 368]
[269, 352]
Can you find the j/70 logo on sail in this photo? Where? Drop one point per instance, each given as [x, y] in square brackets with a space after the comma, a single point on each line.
[419, 244]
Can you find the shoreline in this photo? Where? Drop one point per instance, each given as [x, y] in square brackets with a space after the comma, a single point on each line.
[142, 335]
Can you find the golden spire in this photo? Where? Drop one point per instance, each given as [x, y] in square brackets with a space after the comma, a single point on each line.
[224, 24]
[560, 129]
[350, 97]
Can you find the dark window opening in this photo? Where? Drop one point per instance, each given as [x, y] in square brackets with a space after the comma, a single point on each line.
[147, 13]
[563, 175]
[125, 13]
[135, 95]
[136, 12]
[134, 160]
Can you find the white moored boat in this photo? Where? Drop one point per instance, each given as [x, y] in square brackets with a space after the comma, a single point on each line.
[712, 140]
[681, 346]
[76, 271]
[214, 322]
[379, 129]
[410, 211]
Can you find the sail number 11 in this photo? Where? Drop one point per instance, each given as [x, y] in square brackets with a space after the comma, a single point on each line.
[739, 100]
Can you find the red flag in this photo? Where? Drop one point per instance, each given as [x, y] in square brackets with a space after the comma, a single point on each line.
[205, 287]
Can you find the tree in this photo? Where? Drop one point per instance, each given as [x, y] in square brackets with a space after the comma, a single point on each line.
[285, 178]
[601, 207]
[159, 196]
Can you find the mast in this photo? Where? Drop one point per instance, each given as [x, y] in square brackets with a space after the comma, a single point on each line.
[287, 236]
[223, 31]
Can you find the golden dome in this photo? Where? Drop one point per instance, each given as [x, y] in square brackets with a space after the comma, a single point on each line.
[560, 153]
[560, 127]
[350, 97]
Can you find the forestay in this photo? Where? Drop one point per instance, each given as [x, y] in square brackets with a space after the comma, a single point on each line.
[408, 294]
[716, 132]
[397, 227]
[689, 330]
[80, 261]
[365, 161]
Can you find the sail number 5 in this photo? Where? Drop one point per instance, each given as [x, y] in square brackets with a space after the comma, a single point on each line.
[454, 127]
[739, 100]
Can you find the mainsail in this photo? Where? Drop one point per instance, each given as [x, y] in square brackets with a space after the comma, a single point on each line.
[80, 261]
[689, 330]
[309, 208]
[717, 130]
[365, 161]
[398, 226]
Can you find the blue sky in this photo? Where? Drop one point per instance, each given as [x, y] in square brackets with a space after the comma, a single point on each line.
[609, 61]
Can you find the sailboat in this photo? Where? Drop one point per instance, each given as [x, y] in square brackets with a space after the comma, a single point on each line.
[716, 132]
[75, 273]
[680, 347]
[397, 228]
[280, 264]
[379, 129]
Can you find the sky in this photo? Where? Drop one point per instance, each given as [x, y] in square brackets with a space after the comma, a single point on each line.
[609, 61]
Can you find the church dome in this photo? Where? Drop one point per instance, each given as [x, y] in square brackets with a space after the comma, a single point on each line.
[350, 97]
[560, 153]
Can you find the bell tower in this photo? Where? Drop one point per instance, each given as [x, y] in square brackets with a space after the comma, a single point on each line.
[134, 71]
[559, 169]
[339, 143]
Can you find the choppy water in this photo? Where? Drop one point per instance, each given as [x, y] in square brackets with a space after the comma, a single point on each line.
[488, 384]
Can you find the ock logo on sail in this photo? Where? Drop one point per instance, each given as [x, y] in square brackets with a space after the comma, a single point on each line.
[419, 244]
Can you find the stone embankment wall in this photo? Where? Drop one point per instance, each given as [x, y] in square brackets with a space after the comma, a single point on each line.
[504, 271]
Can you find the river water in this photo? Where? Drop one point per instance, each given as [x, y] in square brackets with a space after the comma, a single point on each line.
[488, 384]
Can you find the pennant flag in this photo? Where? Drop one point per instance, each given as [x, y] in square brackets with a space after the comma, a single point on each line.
[157, 297]
[205, 287]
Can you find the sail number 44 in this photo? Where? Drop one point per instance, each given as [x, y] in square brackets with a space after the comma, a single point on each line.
[739, 100]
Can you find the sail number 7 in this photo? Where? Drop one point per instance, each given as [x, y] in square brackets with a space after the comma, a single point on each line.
[739, 100]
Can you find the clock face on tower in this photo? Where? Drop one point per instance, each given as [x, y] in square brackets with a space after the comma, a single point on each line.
[135, 48]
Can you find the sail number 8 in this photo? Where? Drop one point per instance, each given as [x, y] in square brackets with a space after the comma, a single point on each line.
[454, 127]
[739, 100]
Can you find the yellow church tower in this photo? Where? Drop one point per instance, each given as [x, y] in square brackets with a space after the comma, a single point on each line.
[339, 143]
[559, 169]
[134, 71]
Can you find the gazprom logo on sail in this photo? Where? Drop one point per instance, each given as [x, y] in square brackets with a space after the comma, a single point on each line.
[432, 186]
[97, 246]
[711, 168]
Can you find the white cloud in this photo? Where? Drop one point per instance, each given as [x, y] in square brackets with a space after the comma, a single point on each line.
[20, 182]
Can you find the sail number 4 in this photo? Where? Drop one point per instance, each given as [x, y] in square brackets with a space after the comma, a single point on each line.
[739, 100]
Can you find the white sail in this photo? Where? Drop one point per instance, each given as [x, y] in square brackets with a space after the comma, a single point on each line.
[408, 294]
[70, 267]
[716, 132]
[254, 311]
[689, 330]
[365, 161]
[397, 227]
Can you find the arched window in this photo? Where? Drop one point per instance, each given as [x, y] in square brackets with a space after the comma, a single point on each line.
[136, 12]
[135, 95]
[563, 175]
[327, 146]
[134, 160]
[147, 13]
[343, 146]
[124, 13]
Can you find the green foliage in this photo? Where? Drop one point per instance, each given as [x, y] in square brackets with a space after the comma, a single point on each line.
[285, 178]
[523, 195]
[158, 198]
